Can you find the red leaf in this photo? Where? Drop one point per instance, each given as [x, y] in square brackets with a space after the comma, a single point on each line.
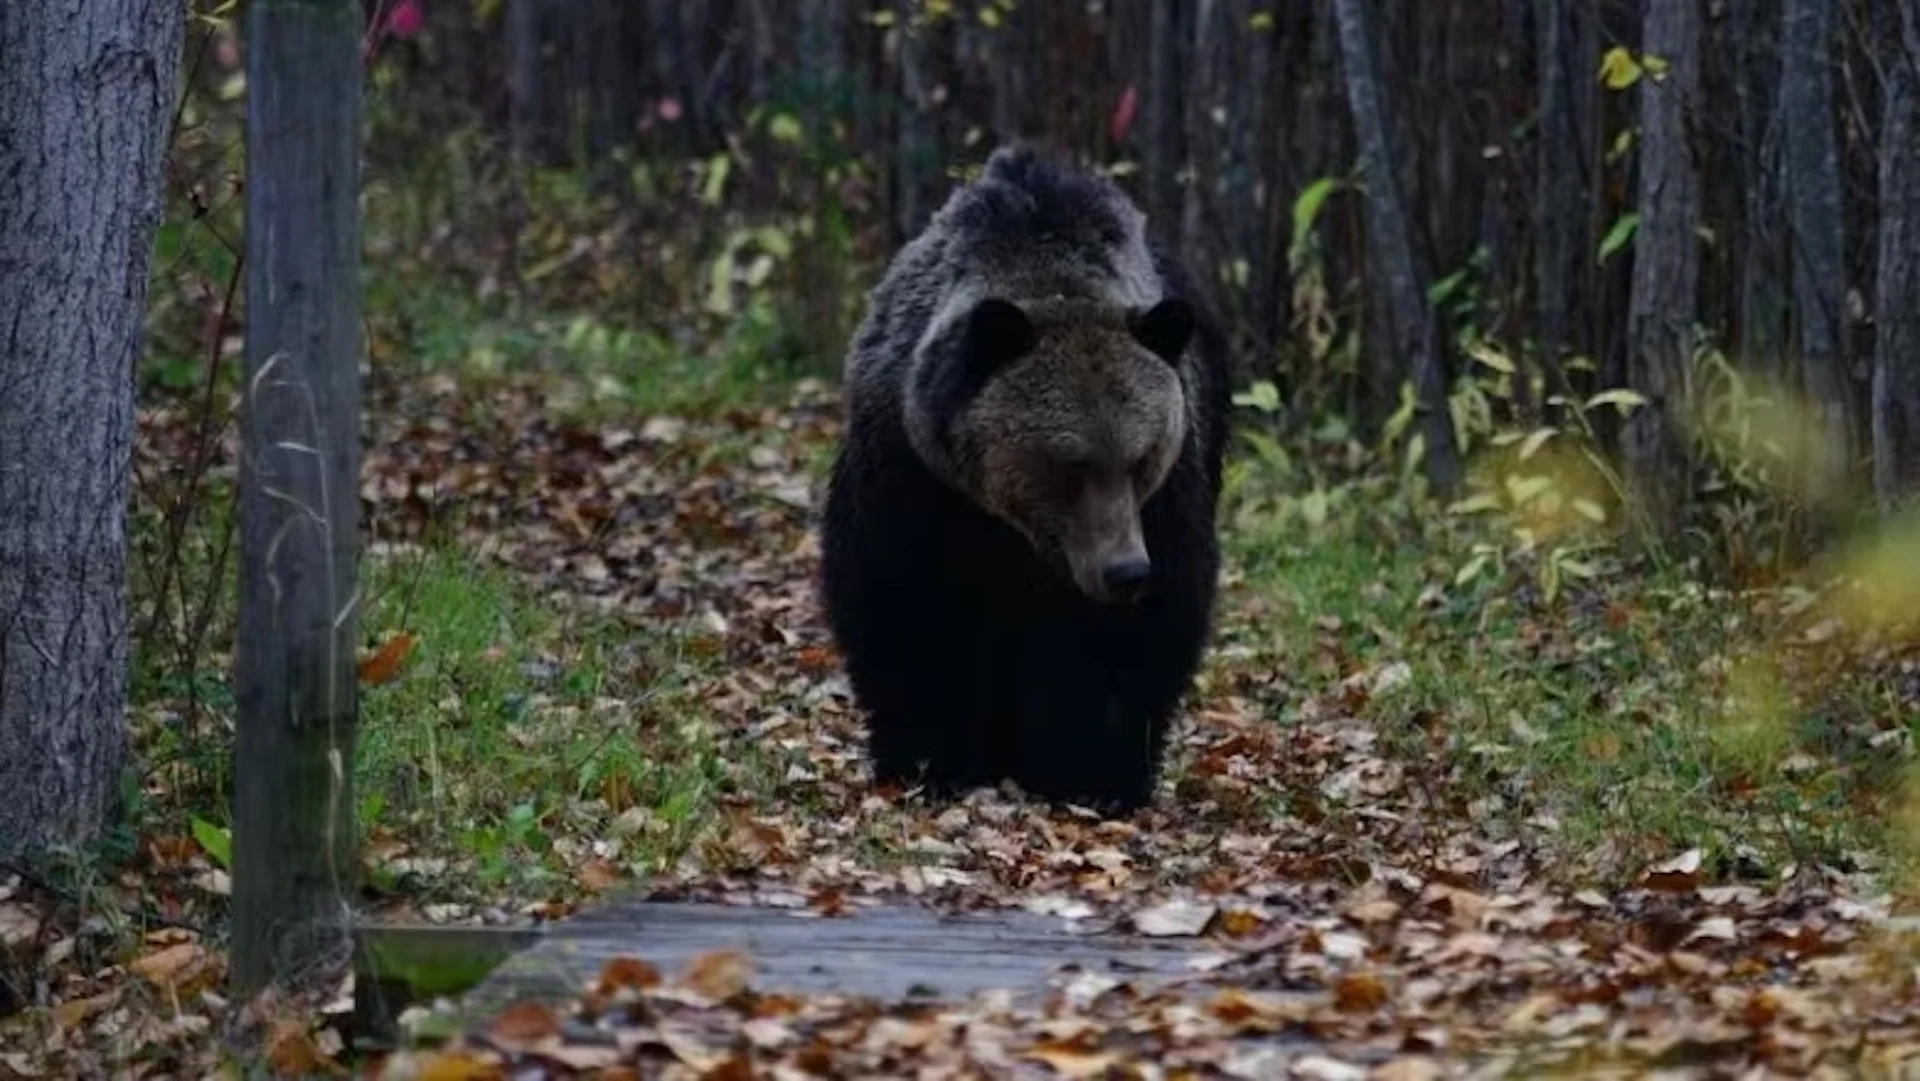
[406, 20]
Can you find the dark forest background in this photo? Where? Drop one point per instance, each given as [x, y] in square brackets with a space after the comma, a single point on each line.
[1490, 210]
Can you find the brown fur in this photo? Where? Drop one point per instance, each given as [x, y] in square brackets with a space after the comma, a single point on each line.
[1067, 443]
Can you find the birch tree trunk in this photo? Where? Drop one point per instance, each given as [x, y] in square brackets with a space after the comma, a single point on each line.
[86, 98]
[1666, 271]
[1395, 269]
[1819, 237]
[1896, 361]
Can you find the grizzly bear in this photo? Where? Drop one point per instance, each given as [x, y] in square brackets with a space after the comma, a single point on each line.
[1018, 543]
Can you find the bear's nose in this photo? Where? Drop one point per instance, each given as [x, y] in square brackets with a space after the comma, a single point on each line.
[1126, 579]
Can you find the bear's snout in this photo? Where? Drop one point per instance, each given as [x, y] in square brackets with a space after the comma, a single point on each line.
[1125, 579]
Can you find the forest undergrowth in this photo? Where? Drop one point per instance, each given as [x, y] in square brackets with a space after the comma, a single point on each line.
[1454, 803]
[1466, 785]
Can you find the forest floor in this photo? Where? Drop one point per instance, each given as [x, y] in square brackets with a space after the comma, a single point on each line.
[1434, 811]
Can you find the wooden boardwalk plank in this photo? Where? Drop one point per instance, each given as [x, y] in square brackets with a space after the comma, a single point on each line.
[895, 951]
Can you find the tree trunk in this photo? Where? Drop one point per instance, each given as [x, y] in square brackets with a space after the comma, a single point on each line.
[523, 80]
[1396, 271]
[1896, 360]
[914, 137]
[1819, 239]
[1762, 299]
[1165, 119]
[1666, 270]
[86, 98]
[294, 676]
[1558, 248]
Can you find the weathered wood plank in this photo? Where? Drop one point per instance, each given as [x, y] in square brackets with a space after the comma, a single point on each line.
[893, 952]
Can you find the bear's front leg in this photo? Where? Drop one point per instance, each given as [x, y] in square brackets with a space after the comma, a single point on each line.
[1084, 737]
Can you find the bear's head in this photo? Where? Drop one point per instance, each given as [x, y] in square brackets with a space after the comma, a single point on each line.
[1061, 417]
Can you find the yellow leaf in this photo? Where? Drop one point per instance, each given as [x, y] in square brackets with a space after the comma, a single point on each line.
[1491, 357]
[434, 1066]
[1619, 397]
[1534, 441]
[1618, 69]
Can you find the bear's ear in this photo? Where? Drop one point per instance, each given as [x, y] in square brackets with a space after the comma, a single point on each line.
[1165, 328]
[996, 332]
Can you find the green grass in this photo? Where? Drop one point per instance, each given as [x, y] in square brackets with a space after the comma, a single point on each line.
[518, 731]
[1633, 716]
[517, 725]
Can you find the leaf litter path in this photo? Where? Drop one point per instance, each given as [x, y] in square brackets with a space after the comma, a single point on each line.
[1349, 917]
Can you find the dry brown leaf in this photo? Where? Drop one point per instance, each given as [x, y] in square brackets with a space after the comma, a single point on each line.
[74, 1012]
[1359, 992]
[1071, 1060]
[1409, 1068]
[718, 974]
[598, 876]
[436, 1066]
[623, 973]
[1259, 1011]
[172, 966]
[383, 664]
[292, 1052]
[1528, 1015]
[523, 1024]
[1678, 874]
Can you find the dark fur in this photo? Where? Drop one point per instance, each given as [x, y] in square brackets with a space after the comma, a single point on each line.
[972, 655]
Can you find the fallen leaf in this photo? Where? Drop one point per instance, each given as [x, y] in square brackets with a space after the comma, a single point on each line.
[622, 973]
[291, 1050]
[384, 663]
[1359, 992]
[1680, 873]
[169, 967]
[1409, 1068]
[1259, 1011]
[598, 876]
[437, 1066]
[1716, 928]
[1323, 1068]
[1073, 1061]
[74, 1012]
[523, 1024]
[1175, 918]
[18, 925]
[718, 974]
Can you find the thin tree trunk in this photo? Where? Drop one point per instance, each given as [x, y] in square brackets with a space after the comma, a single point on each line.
[1557, 250]
[914, 137]
[523, 120]
[1166, 118]
[1819, 238]
[86, 97]
[1896, 360]
[1666, 270]
[1762, 299]
[1397, 274]
[523, 79]
[294, 676]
